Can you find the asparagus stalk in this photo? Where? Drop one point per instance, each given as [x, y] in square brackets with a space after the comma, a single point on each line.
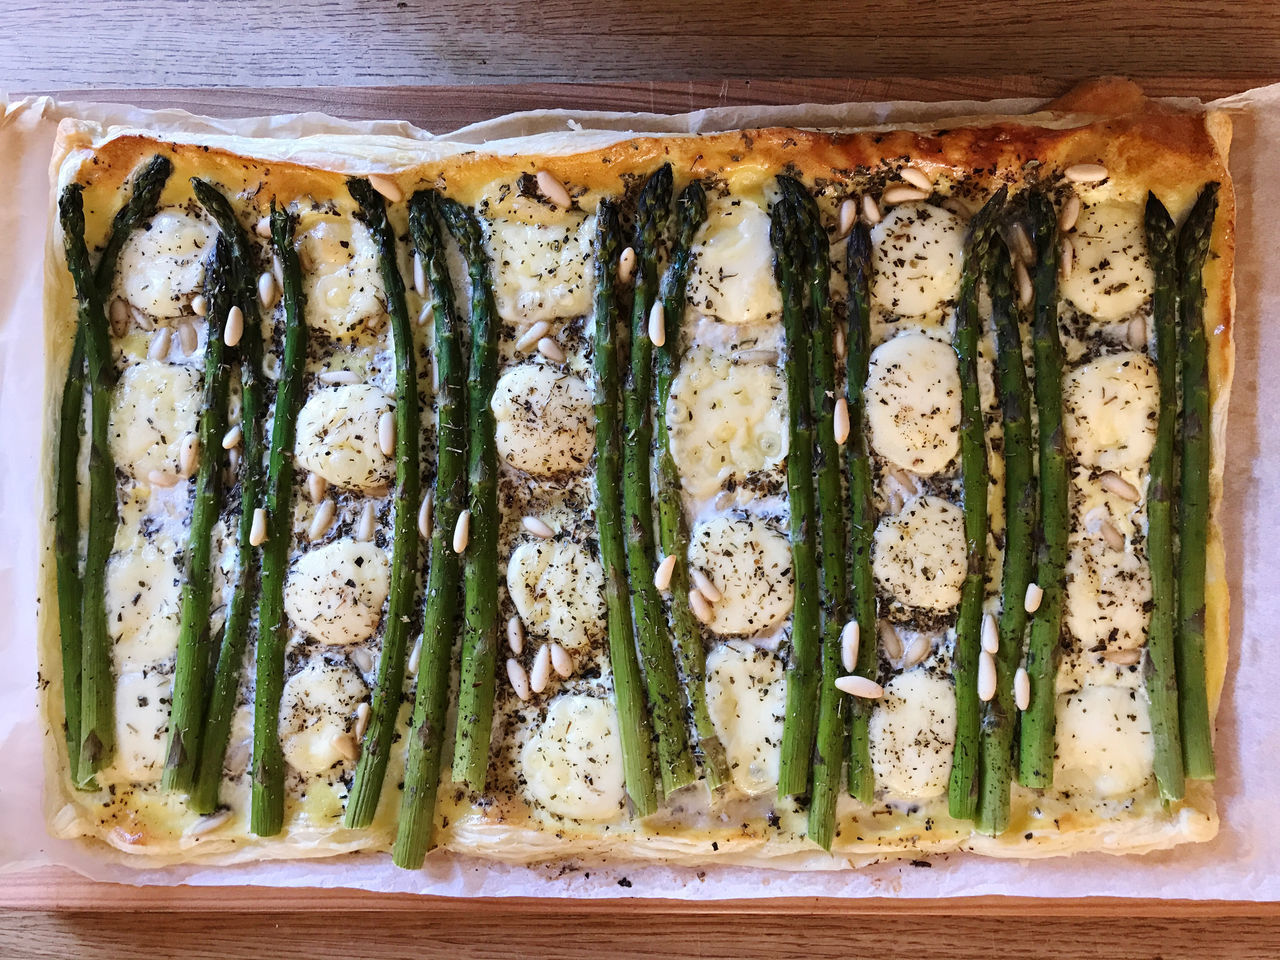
[1159, 668]
[673, 532]
[480, 564]
[828, 763]
[999, 714]
[141, 205]
[862, 520]
[375, 750]
[440, 620]
[675, 761]
[194, 637]
[1193, 512]
[634, 726]
[272, 634]
[798, 728]
[962, 791]
[1036, 734]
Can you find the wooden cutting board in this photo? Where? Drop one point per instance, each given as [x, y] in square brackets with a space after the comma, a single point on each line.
[56, 912]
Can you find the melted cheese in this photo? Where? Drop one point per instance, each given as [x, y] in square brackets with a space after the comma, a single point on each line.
[913, 732]
[731, 272]
[558, 590]
[746, 697]
[1111, 275]
[913, 402]
[341, 281]
[338, 437]
[726, 419]
[144, 590]
[162, 266]
[153, 405]
[750, 564]
[919, 554]
[335, 592]
[544, 420]
[318, 705]
[1109, 411]
[572, 763]
[142, 721]
[1107, 596]
[542, 271]
[916, 255]
[1104, 742]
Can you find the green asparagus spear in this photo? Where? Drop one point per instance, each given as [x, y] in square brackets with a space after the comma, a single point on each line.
[1159, 668]
[634, 726]
[1036, 734]
[141, 205]
[666, 704]
[1193, 512]
[194, 638]
[999, 716]
[962, 791]
[375, 749]
[798, 728]
[480, 563]
[272, 633]
[828, 764]
[440, 620]
[673, 532]
[862, 520]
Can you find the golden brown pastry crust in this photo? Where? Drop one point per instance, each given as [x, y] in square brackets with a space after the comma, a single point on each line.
[1145, 146]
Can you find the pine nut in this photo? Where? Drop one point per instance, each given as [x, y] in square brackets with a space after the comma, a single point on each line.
[700, 607]
[346, 746]
[849, 637]
[141, 319]
[1114, 483]
[1085, 173]
[540, 675]
[846, 217]
[1113, 537]
[233, 461]
[917, 178]
[894, 195]
[841, 421]
[158, 349]
[561, 661]
[1022, 688]
[189, 454]
[188, 339]
[515, 635]
[263, 228]
[553, 190]
[551, 350]
[627, 265]
[258, 530]
[338, 377]
[537, 527]
[1066, 256]
[704, 585]
[119, 316]
[387, 433]
[277, 270]
[419, 275]
[986, 676]
[657, 324]
[519, 679]
[662, 576]
[415, 658]
[424, 516]
[364, 529]
[530, 338]
[362, 721]
[990, 634]
[918, 650]
[162, 478]
[317, 487]
[860, 687]
[322, 521]
[838, 343]
[1069, 214]
[1035, 593]
[1136, 333]
[231, 439]
[207, 824]
[425, 313]
[386, 186]
[890, 640]
[870, 209]
[1122, 658]
[234, 328]
[462, 531]
[1024, 283]
[1020, 243]
[267, 290]
[362, 659]
[199, 305]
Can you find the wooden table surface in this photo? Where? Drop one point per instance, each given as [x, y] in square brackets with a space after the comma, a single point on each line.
[449, 62]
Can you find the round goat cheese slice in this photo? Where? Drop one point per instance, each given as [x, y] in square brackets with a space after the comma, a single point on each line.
[558, 590]
[335, 592]
[917, 251]
[1104, 742]
[153, 406]
[545, 424]
[162, 265]
[542, 271]
[144, 596]
[749, 563]
[1111, 275]
[913, 734]
[341, 281]
[1110, 411]
[731, 264]
[337, 437]
[913, 402]
[318, 706]
[918, 555]
[572, 763]
[746, 697]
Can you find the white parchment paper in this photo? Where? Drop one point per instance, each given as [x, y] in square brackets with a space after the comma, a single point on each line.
[1243, 862]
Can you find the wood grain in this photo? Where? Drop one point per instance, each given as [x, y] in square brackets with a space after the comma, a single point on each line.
[186, 43]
